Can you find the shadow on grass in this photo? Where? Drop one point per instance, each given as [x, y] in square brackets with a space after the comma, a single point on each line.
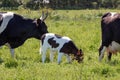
[1, 61]
[114, 62]
[11, 63]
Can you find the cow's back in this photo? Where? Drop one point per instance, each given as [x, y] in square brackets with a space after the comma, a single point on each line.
[111, 18]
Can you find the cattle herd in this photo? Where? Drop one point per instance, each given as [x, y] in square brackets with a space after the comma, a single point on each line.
[15, 30]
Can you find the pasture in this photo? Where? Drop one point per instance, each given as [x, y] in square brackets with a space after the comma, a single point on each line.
[83, 27]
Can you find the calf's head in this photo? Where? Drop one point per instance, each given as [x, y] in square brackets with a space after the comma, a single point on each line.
[79, 56]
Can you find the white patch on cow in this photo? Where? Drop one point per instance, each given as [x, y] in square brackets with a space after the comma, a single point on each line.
[6, 18]
[114, 47]
[102, 53]
[112, 14]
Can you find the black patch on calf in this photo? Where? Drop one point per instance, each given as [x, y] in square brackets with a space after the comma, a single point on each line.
[58, 36]
[69, 48]
[66, 48]
[53, 43]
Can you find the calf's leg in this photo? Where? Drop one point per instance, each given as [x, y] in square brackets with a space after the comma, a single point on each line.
[51, 55]
[59, 57]
[43, 52]
[68, 58]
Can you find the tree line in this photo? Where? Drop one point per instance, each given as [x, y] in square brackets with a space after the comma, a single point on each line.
[61, 4]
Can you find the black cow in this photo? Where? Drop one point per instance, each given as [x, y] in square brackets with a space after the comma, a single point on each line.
[15, 29]
[110, 26]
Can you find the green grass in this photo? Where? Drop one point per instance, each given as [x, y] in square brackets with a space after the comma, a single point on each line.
[83, 27]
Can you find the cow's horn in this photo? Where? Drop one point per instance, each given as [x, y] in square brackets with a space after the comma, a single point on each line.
[43, 17]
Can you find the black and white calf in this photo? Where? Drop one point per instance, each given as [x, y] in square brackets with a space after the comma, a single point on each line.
[63, 45]
[110, 29]
[16, 29]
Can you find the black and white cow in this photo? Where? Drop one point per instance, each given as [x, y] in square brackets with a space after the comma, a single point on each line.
[15, 29]
[63, 45]
[110, 26]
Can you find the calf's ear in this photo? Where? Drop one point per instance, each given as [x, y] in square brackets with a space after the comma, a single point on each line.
[81, 52]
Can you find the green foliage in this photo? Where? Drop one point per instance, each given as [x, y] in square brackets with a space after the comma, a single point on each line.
[10, 3]
[61, 4]
[33, 5]
[11, 63]
[83, 27]
[1, 61]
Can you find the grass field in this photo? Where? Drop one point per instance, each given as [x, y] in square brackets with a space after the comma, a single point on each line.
[83, 27]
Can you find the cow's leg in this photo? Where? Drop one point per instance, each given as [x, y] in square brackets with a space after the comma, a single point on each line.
[51, 55]
[101, 52]
[109, 55]
[11, 50]
[59, 57]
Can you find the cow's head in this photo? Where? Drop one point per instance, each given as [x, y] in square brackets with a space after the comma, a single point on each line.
[79, 56]
[42, 27]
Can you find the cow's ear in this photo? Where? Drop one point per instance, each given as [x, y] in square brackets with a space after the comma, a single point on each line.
[37, 21]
